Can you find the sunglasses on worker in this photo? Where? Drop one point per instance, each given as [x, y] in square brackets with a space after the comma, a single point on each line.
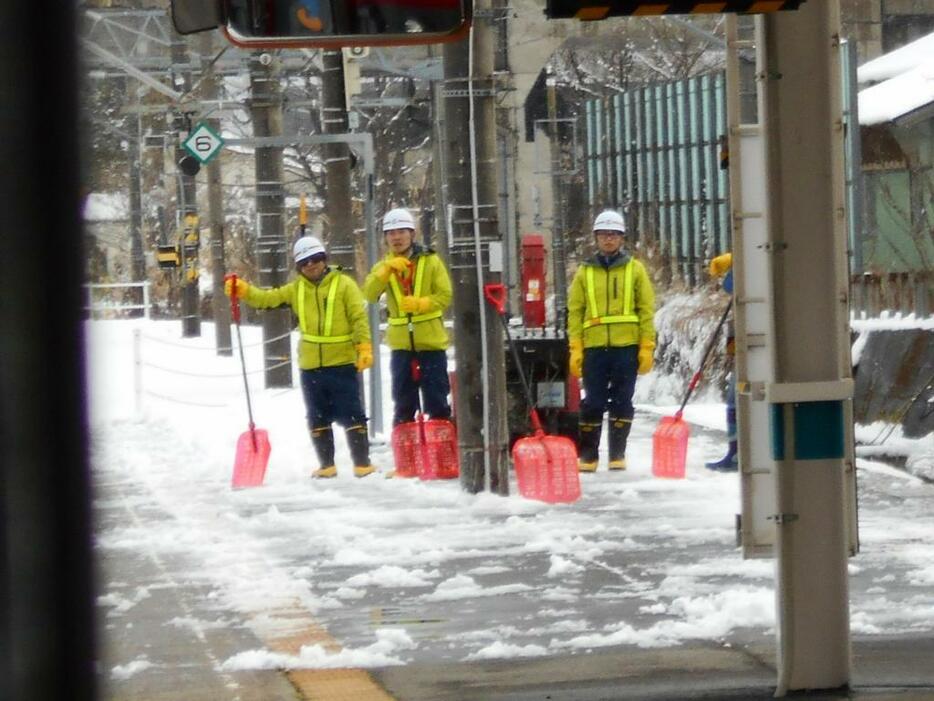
[316, 258]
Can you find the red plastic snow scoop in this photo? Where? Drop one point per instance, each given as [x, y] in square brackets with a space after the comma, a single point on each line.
[253, 445]
[670, 440]
[424, 448]
[546, 466]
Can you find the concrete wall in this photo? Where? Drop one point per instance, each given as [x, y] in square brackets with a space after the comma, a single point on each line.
[894, 379]
[880, 26]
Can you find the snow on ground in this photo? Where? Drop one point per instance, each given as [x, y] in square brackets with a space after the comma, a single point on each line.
[401, 570]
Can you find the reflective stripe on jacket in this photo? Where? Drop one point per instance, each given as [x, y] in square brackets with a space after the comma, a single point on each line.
[611, 305]
[331, 314]
[427, 276]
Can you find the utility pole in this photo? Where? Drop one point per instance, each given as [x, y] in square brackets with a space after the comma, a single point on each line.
[134, 156]
[337, 160]
[215, 209]
[186, 202]
[810, 399]
[559, 186]
[475, 255]
[271, 244]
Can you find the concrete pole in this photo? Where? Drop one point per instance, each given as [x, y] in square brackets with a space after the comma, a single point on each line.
[340, 241]
[812, 389]
[221, 308]
[186, 205]
[135, 155]
[271, 244]
[470, 149]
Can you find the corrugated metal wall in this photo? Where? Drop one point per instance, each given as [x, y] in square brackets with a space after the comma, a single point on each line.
[655, 152]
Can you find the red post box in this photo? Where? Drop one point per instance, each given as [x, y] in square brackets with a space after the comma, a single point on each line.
[533, 280]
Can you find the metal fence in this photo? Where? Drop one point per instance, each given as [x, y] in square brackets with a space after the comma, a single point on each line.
[114, 300]
[656, 152]
[898, 293]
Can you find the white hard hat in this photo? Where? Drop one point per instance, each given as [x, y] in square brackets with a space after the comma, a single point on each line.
[609, 220]
[398, 219]
[306, 247]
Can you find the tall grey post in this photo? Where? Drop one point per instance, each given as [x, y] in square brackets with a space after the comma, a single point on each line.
[337, 163]
[470, 145]
[186, 205]
[271, 244]
[209, 90]
[812, 389]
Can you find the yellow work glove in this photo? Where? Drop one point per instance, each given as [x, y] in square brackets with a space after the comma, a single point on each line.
[576, 357]
[646, 356]
[243, 287]
[364, 356]
[396, 264]
[415, 305]
[721, 265]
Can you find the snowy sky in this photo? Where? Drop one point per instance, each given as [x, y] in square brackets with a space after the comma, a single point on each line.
[637, 561]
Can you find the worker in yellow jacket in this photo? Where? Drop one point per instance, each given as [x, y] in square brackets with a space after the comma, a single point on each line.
[722, 267]
[334, 346]
[611, 337]
[418, 291]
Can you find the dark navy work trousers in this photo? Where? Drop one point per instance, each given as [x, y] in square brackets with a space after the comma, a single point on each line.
[434, 384]
[609, 380]
[333, 394]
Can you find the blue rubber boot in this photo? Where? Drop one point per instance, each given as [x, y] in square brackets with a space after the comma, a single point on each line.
[729, 462]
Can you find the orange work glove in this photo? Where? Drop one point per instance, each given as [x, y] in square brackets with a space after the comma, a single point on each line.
[576, 357]
[243, 288]
[721, 265]
[364, 356]
[646, 356]
[415, 305]
[396, 264]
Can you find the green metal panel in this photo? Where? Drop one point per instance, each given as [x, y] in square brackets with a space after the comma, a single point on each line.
[599, 145]
[628, 154]
[591, 132]
[619, 159]
[641, 161]
[666, 161]
[818, 430]
[655, 151]
[651, 144]
[697, 168]
[724, 186]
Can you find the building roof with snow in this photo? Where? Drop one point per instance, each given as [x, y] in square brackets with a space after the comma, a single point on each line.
[901, 85]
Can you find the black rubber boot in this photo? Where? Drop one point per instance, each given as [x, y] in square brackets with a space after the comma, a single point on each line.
[588, 455]
[619, 434]
[359, 444]
[323, 441]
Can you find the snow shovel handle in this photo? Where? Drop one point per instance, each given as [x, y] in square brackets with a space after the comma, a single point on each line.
[235, 314]
[234, 302]
[700, 370]
[495, 293]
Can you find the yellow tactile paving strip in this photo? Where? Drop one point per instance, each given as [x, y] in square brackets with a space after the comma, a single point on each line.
[337, 685]
[326, 684]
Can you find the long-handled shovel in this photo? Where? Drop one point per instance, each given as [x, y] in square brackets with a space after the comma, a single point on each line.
[426, 448]
[546, 466]
[670, 441]
[253, 445]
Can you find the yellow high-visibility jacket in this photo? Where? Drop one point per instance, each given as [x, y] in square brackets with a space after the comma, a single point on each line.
[427, 276]
[331, 316]
[611, 306]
